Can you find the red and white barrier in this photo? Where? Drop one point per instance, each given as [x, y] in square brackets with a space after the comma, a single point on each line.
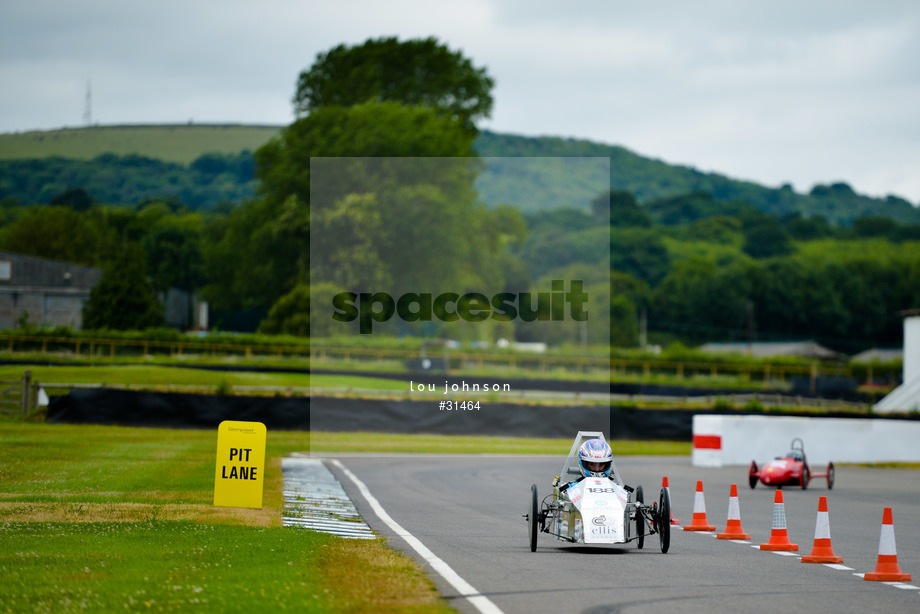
[720, 440]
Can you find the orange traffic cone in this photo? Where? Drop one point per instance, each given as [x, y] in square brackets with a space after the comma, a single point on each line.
[733, 528]
[699, 522]
[887, 569]
[779, 540]
[664, 484]
[822, 552]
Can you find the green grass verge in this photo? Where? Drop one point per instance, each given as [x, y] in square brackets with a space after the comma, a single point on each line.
[173, 566]
[159, 566]
[110, 472]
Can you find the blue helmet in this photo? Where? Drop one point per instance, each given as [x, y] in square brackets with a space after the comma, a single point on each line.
[595, 458]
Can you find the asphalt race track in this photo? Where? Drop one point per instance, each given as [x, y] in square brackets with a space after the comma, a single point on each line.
[468, 511]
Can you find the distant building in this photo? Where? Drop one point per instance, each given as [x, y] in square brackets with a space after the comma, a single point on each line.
[766, 349]
[50, 293]
[878, 355]
[47, 292]
[183, 310]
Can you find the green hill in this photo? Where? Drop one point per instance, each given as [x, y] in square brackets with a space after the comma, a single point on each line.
[651, 181]
[73, 160]
[170, 143]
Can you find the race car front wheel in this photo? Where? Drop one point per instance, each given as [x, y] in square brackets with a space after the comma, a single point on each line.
[532, 517]
[640, 518]
[830, 476]
[664, 520]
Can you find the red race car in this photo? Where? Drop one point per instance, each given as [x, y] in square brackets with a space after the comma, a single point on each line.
[789, 470]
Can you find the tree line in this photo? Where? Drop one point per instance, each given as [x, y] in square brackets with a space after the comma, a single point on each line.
[212, 180]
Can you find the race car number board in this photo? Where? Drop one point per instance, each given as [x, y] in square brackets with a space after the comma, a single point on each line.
[602, 504]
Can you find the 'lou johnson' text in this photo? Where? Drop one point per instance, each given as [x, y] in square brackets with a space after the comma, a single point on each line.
[461, 387]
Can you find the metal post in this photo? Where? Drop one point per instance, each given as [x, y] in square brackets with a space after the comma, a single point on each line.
[26, 391]
[33, 395]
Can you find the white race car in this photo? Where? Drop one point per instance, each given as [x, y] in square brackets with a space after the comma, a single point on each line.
[597, 510]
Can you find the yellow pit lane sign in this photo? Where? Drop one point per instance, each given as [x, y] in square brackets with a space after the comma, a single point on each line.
[239, 475]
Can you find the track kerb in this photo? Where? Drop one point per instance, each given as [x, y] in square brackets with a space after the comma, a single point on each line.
[887, 568]
[822, 552]
[779, 539]
[699, 522]
[733, 528]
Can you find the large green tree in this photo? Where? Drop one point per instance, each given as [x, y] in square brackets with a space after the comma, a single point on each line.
[414, 72]
[387, 129]
[274, 230]
[173, 247]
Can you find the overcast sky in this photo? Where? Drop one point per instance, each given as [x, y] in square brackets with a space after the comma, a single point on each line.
[780, 91]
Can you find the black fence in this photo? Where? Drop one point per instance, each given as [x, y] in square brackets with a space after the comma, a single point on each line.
[176, 410]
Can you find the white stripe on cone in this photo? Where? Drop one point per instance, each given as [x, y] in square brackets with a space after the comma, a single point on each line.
[699, 503]
[886, 545]
[734, 509]
[823, 526]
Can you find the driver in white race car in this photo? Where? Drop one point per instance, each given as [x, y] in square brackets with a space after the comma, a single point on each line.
[595, 459]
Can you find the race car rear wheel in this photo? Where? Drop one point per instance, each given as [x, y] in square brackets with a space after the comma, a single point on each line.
[830, 476]
[753, 476]
[640, 518]
[806, 477]
[664, 520]
[533, 517]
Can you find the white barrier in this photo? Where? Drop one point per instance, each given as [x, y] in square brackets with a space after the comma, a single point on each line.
[906, 397]
[720, 441]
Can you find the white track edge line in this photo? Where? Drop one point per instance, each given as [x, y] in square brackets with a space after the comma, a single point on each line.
[478, 600]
